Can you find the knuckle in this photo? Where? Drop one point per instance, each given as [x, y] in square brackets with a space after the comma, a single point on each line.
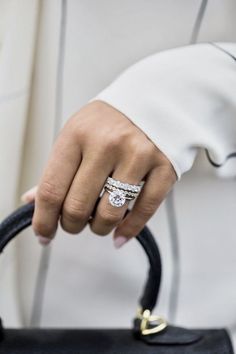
[74, 210]
[142, 151]
[111, 143]
[81, 131]
[48, 193]
[78, 126]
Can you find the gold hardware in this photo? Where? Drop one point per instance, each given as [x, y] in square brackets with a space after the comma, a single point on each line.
[147, 319]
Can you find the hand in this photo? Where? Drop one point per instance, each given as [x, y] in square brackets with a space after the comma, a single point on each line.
[95, 143]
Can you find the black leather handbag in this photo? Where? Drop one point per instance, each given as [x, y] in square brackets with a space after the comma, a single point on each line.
[149, 335]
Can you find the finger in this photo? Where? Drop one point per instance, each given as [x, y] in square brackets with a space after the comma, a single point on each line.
[107, 216]
[158, 184]
[29, 196]
[84, 192]
[57, 177]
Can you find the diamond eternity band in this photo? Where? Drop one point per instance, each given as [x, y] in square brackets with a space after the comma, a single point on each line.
[125, 186]
[121, 192]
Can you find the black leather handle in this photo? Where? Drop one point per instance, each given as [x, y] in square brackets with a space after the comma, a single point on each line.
[22, 218]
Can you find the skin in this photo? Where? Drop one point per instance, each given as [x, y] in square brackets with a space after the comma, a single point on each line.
[95, 143]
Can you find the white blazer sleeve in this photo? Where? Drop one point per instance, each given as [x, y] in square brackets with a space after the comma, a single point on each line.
[183, 99]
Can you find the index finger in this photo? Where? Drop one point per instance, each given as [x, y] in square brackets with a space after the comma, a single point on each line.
[63, 163]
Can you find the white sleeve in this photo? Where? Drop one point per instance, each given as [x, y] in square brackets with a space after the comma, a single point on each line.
[183, 99]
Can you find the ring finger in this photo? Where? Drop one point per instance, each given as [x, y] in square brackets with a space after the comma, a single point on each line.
[108, 216]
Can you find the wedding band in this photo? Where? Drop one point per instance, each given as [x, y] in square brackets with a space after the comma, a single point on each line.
[125, 186]
[128, 195]
[121, 192]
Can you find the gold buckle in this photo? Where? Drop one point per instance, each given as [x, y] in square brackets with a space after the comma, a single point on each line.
[147, 319]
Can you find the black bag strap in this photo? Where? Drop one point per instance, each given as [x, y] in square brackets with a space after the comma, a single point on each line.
[22, 218]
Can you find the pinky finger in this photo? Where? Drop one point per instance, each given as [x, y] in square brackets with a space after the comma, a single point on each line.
[158, 183]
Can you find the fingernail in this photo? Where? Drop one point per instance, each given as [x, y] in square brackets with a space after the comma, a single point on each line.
[29, 195]
[119, 241]
[43, 240]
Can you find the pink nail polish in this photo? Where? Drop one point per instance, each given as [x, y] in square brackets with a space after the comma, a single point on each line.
[43, 240]
[119, 241]
[29, 196]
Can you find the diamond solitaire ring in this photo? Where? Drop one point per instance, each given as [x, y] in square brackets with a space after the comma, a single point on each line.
[121, 192]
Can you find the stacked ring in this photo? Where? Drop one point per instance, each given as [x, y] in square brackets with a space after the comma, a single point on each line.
[121, 192]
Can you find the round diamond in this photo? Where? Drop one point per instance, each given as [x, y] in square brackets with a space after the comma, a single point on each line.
[117, 198]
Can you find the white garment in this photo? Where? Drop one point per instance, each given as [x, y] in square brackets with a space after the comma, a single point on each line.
[183, 99]
[101, 40]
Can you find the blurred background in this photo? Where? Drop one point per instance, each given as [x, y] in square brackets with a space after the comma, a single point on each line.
[54, 57]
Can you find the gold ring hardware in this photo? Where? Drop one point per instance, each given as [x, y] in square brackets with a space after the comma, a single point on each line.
[148, 319]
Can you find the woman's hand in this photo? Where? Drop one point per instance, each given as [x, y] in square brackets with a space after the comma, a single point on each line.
[95, 143]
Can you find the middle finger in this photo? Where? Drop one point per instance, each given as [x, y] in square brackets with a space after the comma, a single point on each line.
[83, 194]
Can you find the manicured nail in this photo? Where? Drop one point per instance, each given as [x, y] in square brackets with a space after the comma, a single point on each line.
[119, 241]
[29, 196]
[43, 240]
